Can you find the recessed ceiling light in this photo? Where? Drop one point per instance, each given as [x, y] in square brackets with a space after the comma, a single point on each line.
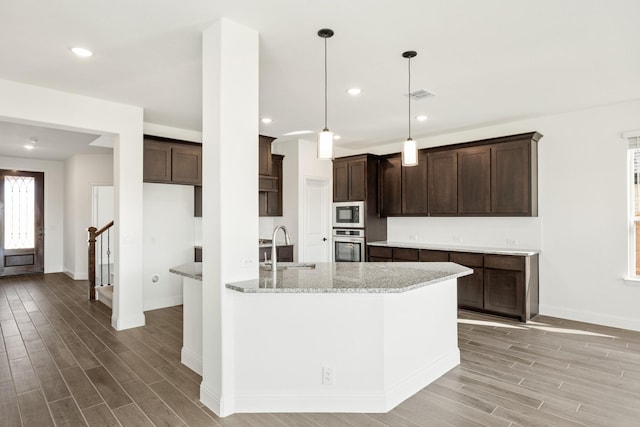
[266, 120]
[298, 132]
[29, 147]
[82, 52]
[336, 137]
[354, 91]
[421, 118]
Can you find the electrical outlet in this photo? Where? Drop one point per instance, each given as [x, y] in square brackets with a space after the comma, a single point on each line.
[457, 239]
[327, 375]
[512, 242]
[414, 237]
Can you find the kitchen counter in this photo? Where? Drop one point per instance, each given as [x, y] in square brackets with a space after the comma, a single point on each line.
[343, 337]
[454, 248]
[192, 270]
[348, 277]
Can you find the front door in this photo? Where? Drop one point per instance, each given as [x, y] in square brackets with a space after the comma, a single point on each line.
[21, 222]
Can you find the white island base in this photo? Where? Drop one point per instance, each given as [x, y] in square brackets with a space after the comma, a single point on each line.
[341, 352]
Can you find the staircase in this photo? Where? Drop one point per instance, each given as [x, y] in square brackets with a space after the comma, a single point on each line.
[101, 266]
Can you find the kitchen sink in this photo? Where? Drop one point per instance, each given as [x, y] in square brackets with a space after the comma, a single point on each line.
[288, 266]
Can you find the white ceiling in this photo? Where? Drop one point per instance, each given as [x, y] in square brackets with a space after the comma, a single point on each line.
[488, 61]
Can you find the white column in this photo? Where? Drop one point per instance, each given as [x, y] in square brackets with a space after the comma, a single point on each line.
[128, 298]
[230, 194]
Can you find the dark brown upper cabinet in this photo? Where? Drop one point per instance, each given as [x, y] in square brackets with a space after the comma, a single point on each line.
[391, 185]
[513, 178]
[352, 176]
[414, 187]
[403, 189]
[269, 179]
[442, 182]
[474, 180]
[172, 161]
[264, 154]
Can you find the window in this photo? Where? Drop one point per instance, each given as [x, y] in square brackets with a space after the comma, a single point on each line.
[634, 202]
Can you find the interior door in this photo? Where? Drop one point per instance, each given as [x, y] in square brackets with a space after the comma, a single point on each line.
[317, 217]
[21, 222]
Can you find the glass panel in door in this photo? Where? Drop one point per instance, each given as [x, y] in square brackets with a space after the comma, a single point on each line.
[22, 215]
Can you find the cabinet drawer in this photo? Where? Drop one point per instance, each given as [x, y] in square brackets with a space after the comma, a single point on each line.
[433, 256]
[380, 252]
[505, 262]
[405, 254]
[378, 259]
[467, 259]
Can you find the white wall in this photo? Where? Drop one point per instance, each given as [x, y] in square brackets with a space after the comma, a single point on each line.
[81, 172]
[168, 241]
[582, 224]
[53, 206]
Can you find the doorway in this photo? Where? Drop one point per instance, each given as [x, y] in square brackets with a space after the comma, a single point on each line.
[21, 222]
[316, 220]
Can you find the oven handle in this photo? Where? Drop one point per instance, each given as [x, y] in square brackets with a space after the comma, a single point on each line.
[348, 240]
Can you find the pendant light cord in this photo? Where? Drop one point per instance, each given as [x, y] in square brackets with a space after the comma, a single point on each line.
[325, 84]
[409, 96]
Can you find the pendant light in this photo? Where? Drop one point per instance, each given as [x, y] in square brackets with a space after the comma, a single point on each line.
[325, 138]
[409, 148]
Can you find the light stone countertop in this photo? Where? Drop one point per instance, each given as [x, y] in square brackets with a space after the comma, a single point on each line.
[192, 270]
[352, 277]
[473, 249]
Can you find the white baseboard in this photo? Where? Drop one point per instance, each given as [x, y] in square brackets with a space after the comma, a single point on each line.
[401, 391]
[191, 360]
[76, 276]
[151, 303]
[121, 324]
[591, 317]
[212, 400]
[379, 401]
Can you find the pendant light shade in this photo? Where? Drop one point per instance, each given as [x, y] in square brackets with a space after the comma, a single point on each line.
[325, 138]
[409, 148]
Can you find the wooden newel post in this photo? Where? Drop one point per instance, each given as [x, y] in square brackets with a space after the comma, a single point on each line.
[92, 262]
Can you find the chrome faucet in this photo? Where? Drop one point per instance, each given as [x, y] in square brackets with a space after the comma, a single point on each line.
[287, 241]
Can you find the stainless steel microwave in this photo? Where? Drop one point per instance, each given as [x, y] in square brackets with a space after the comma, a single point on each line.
[348, 214]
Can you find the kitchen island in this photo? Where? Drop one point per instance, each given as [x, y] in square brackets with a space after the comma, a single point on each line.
[342, 337]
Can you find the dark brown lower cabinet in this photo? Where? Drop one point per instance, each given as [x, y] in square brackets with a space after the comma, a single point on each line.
[505, 285]
[284, 253]
[504, 291]
[470, 288]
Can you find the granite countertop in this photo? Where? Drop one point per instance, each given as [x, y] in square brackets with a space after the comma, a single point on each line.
[352, 277]
[192, 270]
[474, 249]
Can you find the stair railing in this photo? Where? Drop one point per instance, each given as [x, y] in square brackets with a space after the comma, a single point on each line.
[99, 251]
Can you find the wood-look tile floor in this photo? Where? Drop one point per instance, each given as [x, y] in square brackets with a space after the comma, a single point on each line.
[61, 364]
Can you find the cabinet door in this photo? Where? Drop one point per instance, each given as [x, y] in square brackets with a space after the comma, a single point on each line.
[504, 292]
[156, 162]
[391, 185]
[414, 187]
[442, 182]
[406, 254]
[340, 181]
[274, 198]
[197, 201]
[284, 253]
[511, 178]
[357, 171]
[264, 155]
[471, 290]
[186, 165]
[474, 180]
